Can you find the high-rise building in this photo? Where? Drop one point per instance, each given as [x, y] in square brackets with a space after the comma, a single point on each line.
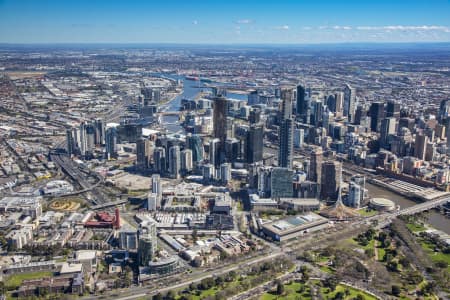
[281, 183]
[444, 111]
[159, 160]
[99, 132]
[339, 103]
[286, 104]
[232, 149]
[225, 172]
[142, 153]
[220, 111]
[355, 195]
[376, 115]
[254, 143]
[156, 185]
[70, 142]
[302, 103]
[174, 161]
[147, 242]
[111, 142]
[253, 97]
[315, 166]
[87, 139]
[330, 176]
[420, 146]
[349, 102]
[393, 110]
[387, 128]
[194, 142]
[186, 161]
[316, 113]
[299, 137]
[214, 152]
[286, 143]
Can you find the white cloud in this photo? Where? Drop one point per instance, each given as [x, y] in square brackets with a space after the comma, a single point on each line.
[405, 28]
[244, 21]
[283, 27]
[195, 22]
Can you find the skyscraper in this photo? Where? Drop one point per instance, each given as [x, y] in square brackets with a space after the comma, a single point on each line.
[254, 143]
[387, 128]
[376, 115]
[315, 166]
[186, 161]
[174, 161]
[159, 160]
[331, 172]
[214, 152]
[317, 112]
[349, 102]
[220, 110]
[393, 110]
[99, 132]
[302, 104]
[281, 183]
[147, 243]
[339, 103]
[70, 142]
[142, 153]
[253, 98]
[286, 131]
[194, 142]
[111, 142]
[420, 146]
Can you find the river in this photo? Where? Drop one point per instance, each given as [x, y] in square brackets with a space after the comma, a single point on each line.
[435, 219]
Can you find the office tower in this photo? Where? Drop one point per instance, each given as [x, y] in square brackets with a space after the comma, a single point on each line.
[156, 185]
[254, 116]
[327, 119]
[286, 104]
[159, 160]
[317, 112]
[405, 123]
[186, 161]
[232, 149]
[302, 103]
[147, 242]
[430, 151]
[420, 146]
[349, 102]
[220, 118]
[444, 111]
[174, 161]
[339, 102]
[331, 103]
[331, 172]
[254, 143]
[286, 143]
[439, 131]
[299, 137]
[264, 181]
[111, 142]
[214, 152]
[315, 166]
[152, 201]
[70, 142]
[376, 115]
[447, 131]
[393, 110]
[281, 183]
[253, 98]
[359, 114]
[142, 153]
[87, 139]
[128, 239]
[225, 172]
[355, 195]
[99, 132]
[387, 128]
[194, 142]
[208, 172]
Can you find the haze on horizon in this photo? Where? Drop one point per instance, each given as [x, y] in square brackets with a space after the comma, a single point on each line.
[224, 22]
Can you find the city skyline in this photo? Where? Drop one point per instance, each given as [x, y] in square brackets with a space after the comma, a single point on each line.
[233, 22]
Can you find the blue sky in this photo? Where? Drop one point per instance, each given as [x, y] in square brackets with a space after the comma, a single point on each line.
[227, 21]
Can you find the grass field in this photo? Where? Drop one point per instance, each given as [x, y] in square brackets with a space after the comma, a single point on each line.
[366, 213]
[291, 292]
[342, 288]
[435, 256]
[14, 281]
[415, 227]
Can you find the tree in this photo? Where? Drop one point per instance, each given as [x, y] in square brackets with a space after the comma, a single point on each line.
[331, 283]
[370, 252]
[360, 297]
[392, 266]
[280, 288]
[339, 295]
[157, 297]
[170, 295]
[395, 289]
[194, 235]
[441, 264]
